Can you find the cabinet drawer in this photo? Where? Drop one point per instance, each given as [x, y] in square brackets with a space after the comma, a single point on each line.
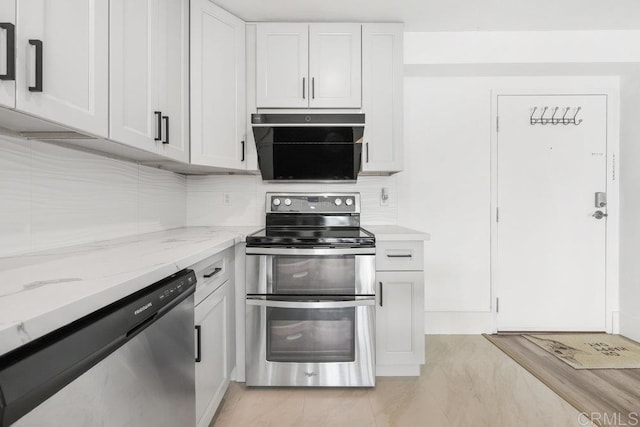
[399, 255]
[212, 272]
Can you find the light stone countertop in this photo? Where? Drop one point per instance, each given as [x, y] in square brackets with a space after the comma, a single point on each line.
[396, 232]
[44, 291]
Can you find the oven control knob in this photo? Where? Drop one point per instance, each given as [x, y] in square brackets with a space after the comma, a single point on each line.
[276, 202]
[349, 202]
[338, 202]
[287, 202]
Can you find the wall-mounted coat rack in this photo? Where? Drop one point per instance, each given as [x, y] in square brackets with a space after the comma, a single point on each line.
[546, 117]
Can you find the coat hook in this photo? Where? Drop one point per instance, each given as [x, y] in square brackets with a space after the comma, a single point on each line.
[574, 117]
[542, 119]
[566, 121]
[555, 121]
[531, 119]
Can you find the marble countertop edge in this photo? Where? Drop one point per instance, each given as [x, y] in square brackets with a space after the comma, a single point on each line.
[107, 271]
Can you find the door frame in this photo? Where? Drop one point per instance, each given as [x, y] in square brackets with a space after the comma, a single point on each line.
[612, 96]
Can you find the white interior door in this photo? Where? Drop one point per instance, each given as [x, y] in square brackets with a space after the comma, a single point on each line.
[550, 265]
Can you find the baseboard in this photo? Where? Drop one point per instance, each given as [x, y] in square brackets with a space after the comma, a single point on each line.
[615, 322]
[630, 326]
[398, 371]
[459, 322]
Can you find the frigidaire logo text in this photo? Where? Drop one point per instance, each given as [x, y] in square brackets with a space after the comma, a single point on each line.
[143, 308]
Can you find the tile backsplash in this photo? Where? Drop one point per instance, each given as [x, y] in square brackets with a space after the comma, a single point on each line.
[53, 196]
[240, 199]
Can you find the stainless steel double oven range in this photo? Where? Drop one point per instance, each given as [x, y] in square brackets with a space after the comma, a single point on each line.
[310, 305]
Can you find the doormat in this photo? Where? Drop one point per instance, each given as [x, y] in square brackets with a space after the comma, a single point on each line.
[590, 351]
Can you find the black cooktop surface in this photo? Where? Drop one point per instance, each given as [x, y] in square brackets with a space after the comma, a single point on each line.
[312, 236]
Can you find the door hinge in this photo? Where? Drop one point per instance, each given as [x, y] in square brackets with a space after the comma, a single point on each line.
[497, 214]
[497, 124]
[497, 305]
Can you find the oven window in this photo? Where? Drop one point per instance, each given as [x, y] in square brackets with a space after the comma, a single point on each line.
[310, 335]
[321, 275]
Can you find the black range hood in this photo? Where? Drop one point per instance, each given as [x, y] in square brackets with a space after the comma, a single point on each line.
[308, 147]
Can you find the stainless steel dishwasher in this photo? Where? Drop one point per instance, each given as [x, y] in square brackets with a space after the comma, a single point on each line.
[128, 364]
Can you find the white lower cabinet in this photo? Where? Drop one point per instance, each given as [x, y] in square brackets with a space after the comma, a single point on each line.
[400, 347]
[215, 350]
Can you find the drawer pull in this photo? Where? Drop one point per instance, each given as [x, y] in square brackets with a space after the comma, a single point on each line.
[198, 343]
[399, 256]
[212, 272]
[381, 292]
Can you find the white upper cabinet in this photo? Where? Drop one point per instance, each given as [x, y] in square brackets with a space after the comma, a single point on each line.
[62, 61]
[134, 95]
[173, 82]
[335, 65]
[218, 85]
[382, 97]
[7, 54]
[308, 65]
[149, 75]
[282, 65]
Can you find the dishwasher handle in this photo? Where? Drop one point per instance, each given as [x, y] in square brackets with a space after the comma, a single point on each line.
[31, 374]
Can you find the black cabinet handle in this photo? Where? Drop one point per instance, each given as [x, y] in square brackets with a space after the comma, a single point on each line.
[313, 88]
[166, 129]
[381, 293]
[242, 142]
[366, 149]
[399, 256]
[38, 45]
[158, 115]
[198, 343]
[11, 51]
[212, 272]
[304, 88]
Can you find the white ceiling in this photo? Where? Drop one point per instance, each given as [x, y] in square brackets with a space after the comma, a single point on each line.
[450, 15]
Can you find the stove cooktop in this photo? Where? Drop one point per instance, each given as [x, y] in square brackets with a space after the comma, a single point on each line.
[312, 236]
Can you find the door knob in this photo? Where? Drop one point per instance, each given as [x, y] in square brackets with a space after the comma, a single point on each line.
[599, 215]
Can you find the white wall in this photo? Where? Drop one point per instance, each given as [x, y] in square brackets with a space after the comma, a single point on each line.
[630, 206]
[52, 196]
[445, 188]
[206, 206]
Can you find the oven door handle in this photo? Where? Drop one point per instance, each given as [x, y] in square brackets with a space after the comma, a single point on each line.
[310, 251]
[366, 301]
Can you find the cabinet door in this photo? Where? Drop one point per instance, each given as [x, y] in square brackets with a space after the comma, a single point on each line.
[335, 65]
[282, 52]
[214, 326]
[382, 97]
[74, 60]
[217, 87]
[7, 53]
[134, 87]
[399, 318]
[173, 77]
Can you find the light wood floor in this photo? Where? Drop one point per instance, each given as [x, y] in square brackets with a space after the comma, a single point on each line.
[611, 392]
[467, 381]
